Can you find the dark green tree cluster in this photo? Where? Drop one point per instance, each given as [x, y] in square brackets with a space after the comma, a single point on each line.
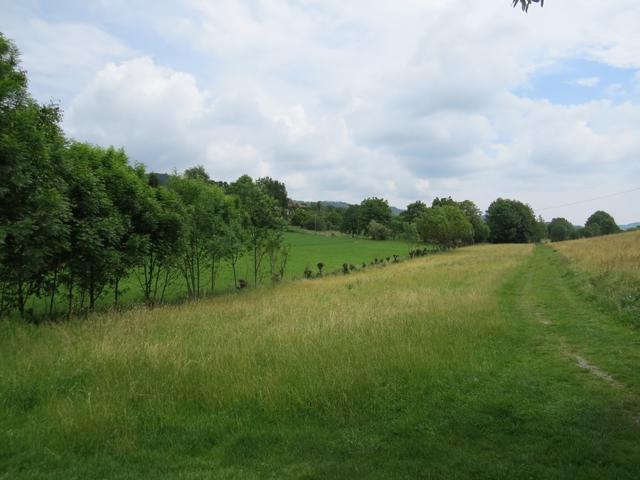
[560, 229]
[599, 223]
[447, 223]
[446, 226]
[372, 217]
[472, 214]
[511, 221]
[77, 219]
[317, 216]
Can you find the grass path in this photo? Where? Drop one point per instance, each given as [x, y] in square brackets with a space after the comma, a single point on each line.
[581, 364]
[604, 351]
[483, 363]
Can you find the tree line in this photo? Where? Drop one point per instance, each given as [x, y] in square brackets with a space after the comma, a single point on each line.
[76, 219]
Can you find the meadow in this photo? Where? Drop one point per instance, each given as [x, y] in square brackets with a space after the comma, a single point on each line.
[611, 266]
[485, 362]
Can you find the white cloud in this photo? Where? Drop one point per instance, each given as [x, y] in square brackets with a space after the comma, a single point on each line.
[343, 100]
[63, 57]
[586, 82]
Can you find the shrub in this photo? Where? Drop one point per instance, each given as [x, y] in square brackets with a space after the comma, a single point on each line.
[377, 231]
[307, 272]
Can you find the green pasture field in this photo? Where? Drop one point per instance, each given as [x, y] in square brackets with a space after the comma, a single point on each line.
[487, 362]
[307, 249]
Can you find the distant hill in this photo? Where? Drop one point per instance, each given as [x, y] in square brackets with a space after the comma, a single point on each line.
[629, 226]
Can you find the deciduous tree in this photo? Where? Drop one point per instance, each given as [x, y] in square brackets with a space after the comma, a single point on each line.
[511, 221]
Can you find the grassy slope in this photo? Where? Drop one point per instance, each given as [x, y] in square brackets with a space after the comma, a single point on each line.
[460, 365]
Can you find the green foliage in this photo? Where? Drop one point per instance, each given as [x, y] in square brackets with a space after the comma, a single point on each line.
[317, 217]
[481, 231]
[315, 221]
[378, 231]
[540, 231]
[444, 202]
[13, 80]
[374, 209]
[163, 245]
[77, 219]
[473, 214]
[261, 218]
[511, 221]
[206, 210]
[299, 217]
[600, 223]
[34, 211]
[197, 173]
[276, 190]
[410, 235]
[352, 222]
[413, 212]
[446, 226]
[561, 229]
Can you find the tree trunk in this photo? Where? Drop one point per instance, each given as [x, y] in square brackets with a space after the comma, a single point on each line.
[235, 276]
[255, 264]
[70, 304]
[54, 287]
[21, 299]
[117, 283]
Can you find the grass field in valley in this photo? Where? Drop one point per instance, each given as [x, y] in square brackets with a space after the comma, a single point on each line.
[307, 249]
[486, 362]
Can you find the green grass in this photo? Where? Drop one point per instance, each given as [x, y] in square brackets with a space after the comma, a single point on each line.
[306, 250]
[460, 365]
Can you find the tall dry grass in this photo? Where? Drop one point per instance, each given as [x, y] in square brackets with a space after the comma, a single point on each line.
[605, 254]
[612, 264]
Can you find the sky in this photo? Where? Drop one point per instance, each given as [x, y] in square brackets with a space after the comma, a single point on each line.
[406, 100]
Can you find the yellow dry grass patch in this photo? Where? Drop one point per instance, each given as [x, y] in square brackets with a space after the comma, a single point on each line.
[601, 255]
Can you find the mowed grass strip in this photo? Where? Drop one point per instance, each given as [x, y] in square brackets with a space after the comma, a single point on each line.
[427, 369]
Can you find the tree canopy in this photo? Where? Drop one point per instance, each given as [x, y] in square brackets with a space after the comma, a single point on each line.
[511, 221]
[561, 229]
[446, 226]
[600, 223]
[75, 219]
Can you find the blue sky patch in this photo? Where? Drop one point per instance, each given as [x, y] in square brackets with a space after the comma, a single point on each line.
[578, 81]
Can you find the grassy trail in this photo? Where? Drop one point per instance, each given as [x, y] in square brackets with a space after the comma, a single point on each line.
[573, 327]
[457, 366]
[581, 362]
